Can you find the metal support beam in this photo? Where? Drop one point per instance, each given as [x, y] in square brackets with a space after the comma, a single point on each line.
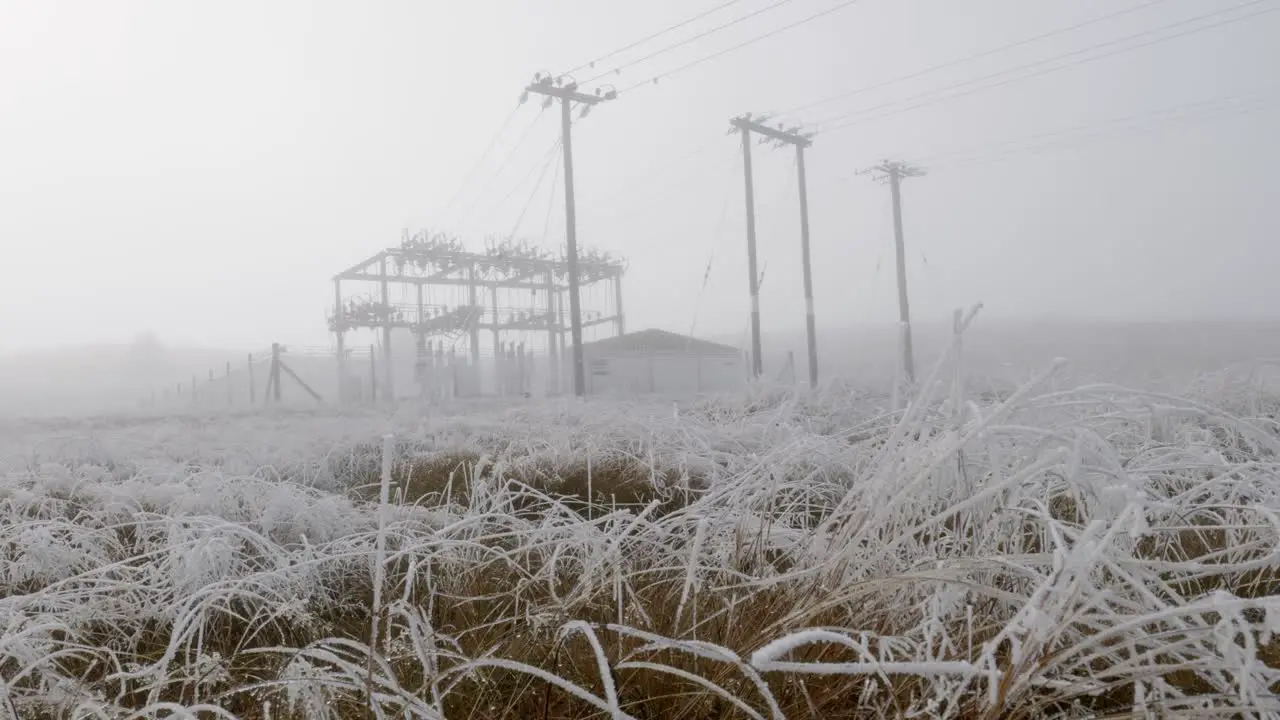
[421, 316]
[553, 355]
[389, 382]
[420, 347]
[617, 305]
[446, 272]
[560, 324]
[474, 301]
[363, 267]
[524, 284]
[497, 344]
[340, 334]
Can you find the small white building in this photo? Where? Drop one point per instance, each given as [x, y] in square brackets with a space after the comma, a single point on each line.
[662, 363]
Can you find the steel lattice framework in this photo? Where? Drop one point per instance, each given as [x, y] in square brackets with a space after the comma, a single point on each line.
[458, 293]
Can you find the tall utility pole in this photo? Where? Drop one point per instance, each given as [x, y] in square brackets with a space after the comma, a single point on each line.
[895, 171]
[567, 92]
[754, 285]
[780, 136]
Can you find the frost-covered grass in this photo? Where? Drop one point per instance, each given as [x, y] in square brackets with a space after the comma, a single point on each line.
[1094, 552]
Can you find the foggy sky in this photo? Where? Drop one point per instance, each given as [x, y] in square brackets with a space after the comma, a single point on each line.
[201, 170]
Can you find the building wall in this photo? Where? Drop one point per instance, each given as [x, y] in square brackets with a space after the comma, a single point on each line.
[674, 374]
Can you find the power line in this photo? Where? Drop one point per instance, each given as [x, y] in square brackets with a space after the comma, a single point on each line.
[1140, 121]
[654, 36]
[618, 70]
[1134, 121]
[970, 58]
[715, 245]
[480, 160]
[725, 51]
[740, 45]
[534, 193]
[551, 203]
[674, 186]
[663, 167]
[505, 161]
[1046, 71]
[545, 163]
[646, 204]
[1220, 113]
[775, 221]
[884, 236]
[859, 120]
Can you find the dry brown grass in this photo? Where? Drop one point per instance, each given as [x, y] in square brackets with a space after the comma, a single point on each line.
[609, 482]
[494, 560]
[484, 609]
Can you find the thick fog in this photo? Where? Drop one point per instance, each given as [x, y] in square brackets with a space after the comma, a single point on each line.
[200, 170]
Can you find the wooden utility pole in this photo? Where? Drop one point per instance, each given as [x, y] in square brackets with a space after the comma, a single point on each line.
[800, 141]
[754, 277]
[568, 94]
[811, 330]
[230, 398]
[276, 349]
[253, 391]
[894, 172]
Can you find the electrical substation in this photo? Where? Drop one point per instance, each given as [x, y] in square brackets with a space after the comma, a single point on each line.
[473, 323]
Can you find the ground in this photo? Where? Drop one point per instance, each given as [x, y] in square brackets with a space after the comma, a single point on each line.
[1028, 552]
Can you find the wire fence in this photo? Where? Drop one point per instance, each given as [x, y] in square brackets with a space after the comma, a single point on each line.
[318, 375]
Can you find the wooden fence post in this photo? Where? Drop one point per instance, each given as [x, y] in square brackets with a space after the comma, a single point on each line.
[275, 370]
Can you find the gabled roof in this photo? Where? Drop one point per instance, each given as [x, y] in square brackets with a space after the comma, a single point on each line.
[659, 341]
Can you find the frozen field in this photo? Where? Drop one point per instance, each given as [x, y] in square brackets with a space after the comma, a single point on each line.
[1036, 553]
